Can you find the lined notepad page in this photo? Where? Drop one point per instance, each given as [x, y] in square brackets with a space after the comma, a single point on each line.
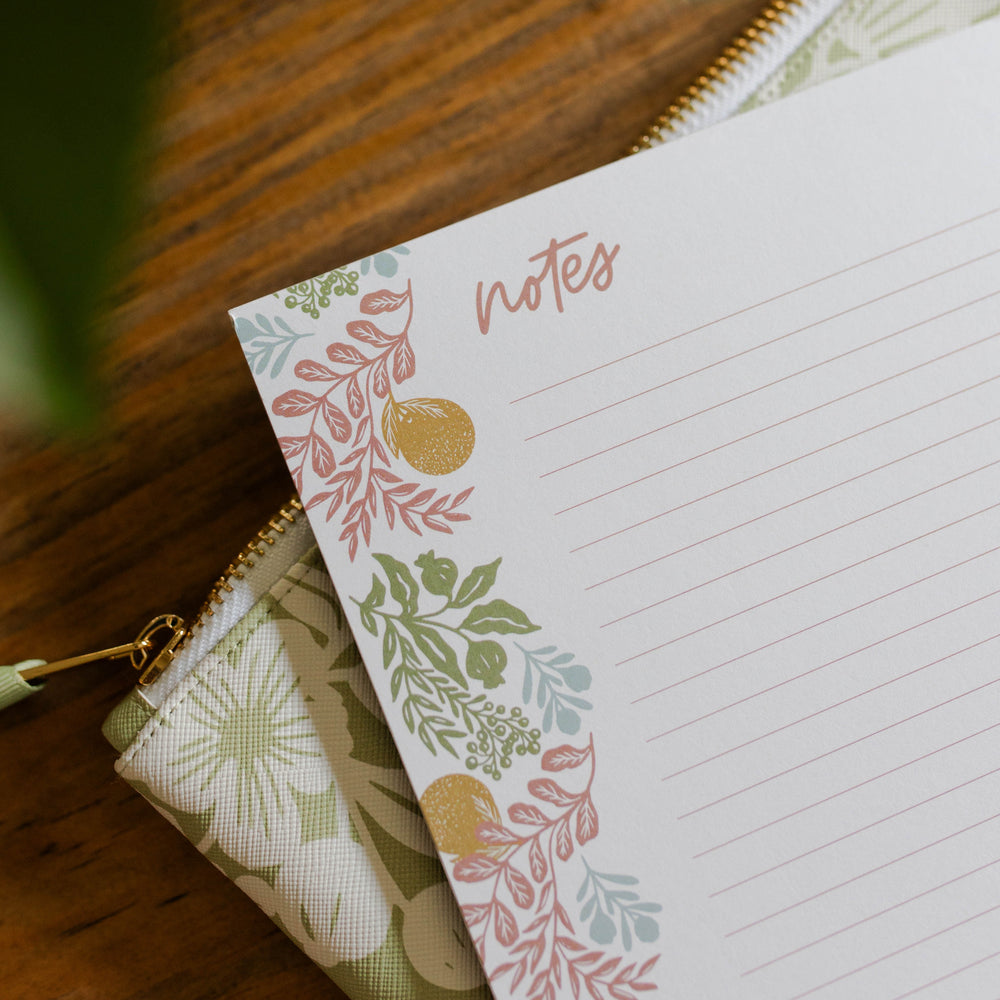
[790, 524]
[753, 482]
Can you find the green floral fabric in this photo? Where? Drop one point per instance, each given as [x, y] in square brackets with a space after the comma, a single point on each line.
[273, 758]
[864, 31]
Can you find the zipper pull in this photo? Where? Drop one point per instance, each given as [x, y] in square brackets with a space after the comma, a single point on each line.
[150, 654]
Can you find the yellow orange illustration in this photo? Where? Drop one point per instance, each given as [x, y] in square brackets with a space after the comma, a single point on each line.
[453, 807]
[435, 436]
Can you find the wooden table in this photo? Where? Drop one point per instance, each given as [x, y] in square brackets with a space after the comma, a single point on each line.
[290, 138]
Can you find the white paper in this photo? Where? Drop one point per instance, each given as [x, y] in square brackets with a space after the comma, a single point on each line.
[748, 474]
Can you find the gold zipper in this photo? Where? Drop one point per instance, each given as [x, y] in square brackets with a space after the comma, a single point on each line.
[158, 644]
[733, 56]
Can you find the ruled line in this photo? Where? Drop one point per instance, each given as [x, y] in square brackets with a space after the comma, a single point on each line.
[827, 708]
[805, 541]
[809, 583]
[862, 875]
[776, 510]
[941, 979]
[898, 951]
[873, 916]
[766, 343]
[759, 388]
[791, 461]
[757, 305]
[866, 781]
[854, 833]
[823, 666]
[809, 628]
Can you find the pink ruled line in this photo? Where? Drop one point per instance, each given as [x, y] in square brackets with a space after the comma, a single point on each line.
[898, 951]
[809, 628]
[766, 343]
[823, 666]
[823, 406]
[756, 305]
[873, 916]
[828, 708]
[863, 875]
[809, 583]
[853, 833]
[791, 461]
[859, 784]
[757, 475]
[759, 388]
[805, 541]
[941, 979]
[778, 510]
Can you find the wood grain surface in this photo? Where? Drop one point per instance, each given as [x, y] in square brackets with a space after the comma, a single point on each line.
[290, 138]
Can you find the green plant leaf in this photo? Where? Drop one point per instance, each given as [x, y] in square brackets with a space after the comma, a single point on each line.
[498, 616]
[74, 91]
[477, 584]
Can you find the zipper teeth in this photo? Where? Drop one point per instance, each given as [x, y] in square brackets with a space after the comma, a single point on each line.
[720, 71]
[256, 548]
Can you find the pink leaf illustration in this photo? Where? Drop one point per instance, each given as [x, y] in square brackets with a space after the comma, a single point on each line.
[403, 362]
[505, 925]
[380, 379]
[322, 457]
[586, 822]
[561, 913]
[524, 812]
[563, 840]
[316, 500]
[476, 868]
[494, 833]
[313, 371]
[292, 446]
[647, 966]
[548, 791]
[520, 888]
[355, 399]
[294, 403]
[368, 333]
[536, 859]
[345, 354]
[475, 913]
[559, 758]
[336, 420]
[382, 301]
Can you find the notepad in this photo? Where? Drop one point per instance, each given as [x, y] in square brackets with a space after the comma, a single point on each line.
[664, 505]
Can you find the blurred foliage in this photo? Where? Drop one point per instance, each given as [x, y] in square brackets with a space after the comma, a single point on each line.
[75, 82]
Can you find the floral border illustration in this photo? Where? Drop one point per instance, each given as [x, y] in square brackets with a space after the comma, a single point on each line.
[522, 918]
[444, 639]
[341, 418]
[444, 636]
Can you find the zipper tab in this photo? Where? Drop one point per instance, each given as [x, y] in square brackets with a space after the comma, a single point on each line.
[150, 653]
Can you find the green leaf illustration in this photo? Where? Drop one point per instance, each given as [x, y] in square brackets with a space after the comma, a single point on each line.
[402, 586]
[500, 617]
[425, 650]
[485, 661]
[438, 651]
[477, 584]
